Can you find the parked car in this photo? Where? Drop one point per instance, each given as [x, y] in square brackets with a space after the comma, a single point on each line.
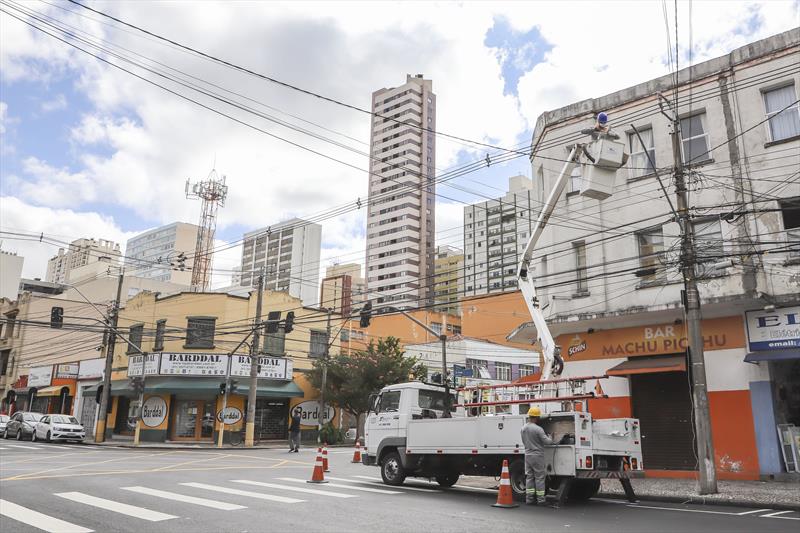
[3, 421]
[59, 427]
[21, 425]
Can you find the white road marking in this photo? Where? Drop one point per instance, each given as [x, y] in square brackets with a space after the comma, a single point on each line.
[419, 482]
[117, 507]
[342, 486]
[2, 448]
[23, 447]
[223, 506]
[639, 506]
[609, 500]
[380, 483]
[237, 492]
[295, 489]
[755, 511]
[38, 520]
[776, 515]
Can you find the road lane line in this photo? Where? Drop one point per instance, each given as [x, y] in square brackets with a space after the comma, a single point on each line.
[295, 489]
[755, 511]
[343, 486]
[38, 520]
[380, 483]
[640, 506]
[237, 492]
[222, 506]
[23, 447]
[776, 515]
[422, 482]
[117, 507]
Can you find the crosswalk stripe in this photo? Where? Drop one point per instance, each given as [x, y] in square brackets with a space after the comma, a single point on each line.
[38, 520]
[295, 489]
[422, 482]
[117, 507]
[24, 447]
[343, 486]
[237, 492]
[380, 483]
[223, 506]
[3, 448]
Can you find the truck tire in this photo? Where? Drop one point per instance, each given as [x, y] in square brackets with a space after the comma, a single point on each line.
[583, 489]
[447, 479]
[392, 470]
[516, 471]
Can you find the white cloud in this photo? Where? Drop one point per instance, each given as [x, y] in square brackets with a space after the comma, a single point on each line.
[56, 104]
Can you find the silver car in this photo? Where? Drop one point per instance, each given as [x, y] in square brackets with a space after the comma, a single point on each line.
[3, 421]
[21, 424]
[59, 427]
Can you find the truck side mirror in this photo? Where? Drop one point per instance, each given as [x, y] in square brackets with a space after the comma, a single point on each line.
[372, 401]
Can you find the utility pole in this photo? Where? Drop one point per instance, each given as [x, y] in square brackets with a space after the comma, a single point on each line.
[321, 417]
[250, 425]
[100, 429]
[697, 369]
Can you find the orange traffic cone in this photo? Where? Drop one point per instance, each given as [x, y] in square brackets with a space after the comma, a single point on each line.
[317, 476]
[505, 498]
[357, 453]
[325, 458]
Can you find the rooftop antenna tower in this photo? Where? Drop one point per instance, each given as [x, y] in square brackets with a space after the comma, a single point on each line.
[212, 192]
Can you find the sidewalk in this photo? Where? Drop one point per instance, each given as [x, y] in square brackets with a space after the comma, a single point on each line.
[269, 445]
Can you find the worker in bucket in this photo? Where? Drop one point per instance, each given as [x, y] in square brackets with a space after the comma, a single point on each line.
[534, 439]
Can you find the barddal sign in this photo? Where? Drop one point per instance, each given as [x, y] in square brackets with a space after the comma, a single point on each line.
[193, 364]
[154, 411]
[270, 367]
[309, 413]
[774, 330]
[150, 366]
[231, 415]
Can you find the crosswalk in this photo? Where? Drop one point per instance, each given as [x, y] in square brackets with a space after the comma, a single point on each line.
[33, 447]
[229, 495]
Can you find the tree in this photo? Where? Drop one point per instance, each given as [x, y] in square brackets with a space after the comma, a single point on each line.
[352, 378]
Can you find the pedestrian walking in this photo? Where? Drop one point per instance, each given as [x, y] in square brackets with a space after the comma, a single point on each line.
[294, 430]
[534, 439]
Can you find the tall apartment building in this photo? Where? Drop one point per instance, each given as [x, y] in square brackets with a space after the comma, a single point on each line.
[10, 274]
[448, 285]
[343, 290]
[80, 252]
[495, 234]
[289, 252]
[154, 254]
[402, 207]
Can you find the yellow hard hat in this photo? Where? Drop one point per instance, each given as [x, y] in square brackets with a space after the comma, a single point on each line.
[534, 411]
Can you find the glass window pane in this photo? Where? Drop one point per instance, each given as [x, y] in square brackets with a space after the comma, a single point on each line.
[692, 126]
[777, 99]
[785, 125]
[695, 150]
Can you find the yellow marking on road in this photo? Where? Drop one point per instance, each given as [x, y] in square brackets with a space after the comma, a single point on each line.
[170, 467]
[152, 471]
[34, 474]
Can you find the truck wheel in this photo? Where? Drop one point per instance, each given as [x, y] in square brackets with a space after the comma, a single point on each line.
[447, 479]
[583, 489]
[516, 471]
[392, 470]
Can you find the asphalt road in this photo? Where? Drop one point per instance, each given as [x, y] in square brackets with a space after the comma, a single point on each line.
[80, 488]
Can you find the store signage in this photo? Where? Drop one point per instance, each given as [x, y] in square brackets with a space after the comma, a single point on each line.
[40, 376]
[231, 415]
[309, 413]
[774, 330]
[154, 411]
[150, 367]
[576, 346]
[193, 364]
[68, 370]
[91, 368]
[270, 367]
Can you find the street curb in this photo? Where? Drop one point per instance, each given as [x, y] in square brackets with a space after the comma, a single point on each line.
[702, 500]
[167, 447]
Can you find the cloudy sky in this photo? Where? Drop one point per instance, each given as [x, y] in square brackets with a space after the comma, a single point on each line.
[91, 151]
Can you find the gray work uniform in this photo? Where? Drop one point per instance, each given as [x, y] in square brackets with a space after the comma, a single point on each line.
[534, 439]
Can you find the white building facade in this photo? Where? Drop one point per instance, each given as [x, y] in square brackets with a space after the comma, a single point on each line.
[155, 254]
[79, 253]
[10, 274]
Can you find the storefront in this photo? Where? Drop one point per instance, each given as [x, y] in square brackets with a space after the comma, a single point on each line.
[90, 372]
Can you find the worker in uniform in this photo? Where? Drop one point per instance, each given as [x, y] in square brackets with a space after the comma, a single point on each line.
[534, 439]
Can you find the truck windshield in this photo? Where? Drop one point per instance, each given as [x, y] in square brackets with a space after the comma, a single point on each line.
[389, 401]
[432, 399]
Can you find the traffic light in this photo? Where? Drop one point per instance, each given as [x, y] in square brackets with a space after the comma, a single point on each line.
[137, 384]
[272, 321]
[234, 385]
[288, 326]
[56, 317]
[222, 389]
[366, 315]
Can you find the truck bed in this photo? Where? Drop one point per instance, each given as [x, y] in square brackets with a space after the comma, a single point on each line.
[482, 434]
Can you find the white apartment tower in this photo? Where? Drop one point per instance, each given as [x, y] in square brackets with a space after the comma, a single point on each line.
[79, 253]
[402, 207]
[155, 254]
[289, 253]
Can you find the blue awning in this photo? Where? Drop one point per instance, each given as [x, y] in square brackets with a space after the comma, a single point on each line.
[772, 355]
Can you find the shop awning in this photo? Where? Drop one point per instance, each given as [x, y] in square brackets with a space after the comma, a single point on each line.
[772, 355]
[648, 365]
[275, 389]
[116, 386]
[55, 390]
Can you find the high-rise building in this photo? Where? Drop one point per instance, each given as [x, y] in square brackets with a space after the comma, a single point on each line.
[289, 253]
[80, 252]
[10, 274]
[495, 234]
[343, 289]
[449, 271]
[402, 207]
[155, 254]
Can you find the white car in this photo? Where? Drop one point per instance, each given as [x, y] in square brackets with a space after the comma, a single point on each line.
[58, 427]
[3, 422]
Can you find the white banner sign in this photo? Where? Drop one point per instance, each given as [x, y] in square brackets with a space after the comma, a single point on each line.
[231, 415]
[271, 367]
[154, 411]
[67, 370]
[40, 376]
[193, 364]
[91, 368]
[150, 368]
[774, 330]
[309, 413]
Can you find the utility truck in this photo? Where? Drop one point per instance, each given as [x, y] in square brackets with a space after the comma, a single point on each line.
[419, 429]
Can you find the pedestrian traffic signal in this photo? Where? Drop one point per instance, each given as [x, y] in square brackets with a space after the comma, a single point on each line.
[366, 315]
[137, 384]
[56, 317]
[288, 325]
[272, 321]
[222, 389]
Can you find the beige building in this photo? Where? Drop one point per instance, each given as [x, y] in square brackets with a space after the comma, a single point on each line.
[155, 254]
[448, 288]
[402, 206]
[10, 274]
[79, 253]
[343, 290]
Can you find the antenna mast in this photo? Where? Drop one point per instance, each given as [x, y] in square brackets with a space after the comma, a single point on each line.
[212, 192]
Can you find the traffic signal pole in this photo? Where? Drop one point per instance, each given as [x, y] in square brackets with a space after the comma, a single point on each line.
[250, 425]
[105, 398]
[325, 356]
[225, 402]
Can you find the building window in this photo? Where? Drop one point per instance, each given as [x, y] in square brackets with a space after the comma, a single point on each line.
[275, 343]
[708, 243]
[694, 139]
[200, 332]
[319, 343]
[503, 371]
[580, 267]
[640, 163]
[161, 327]
[457, 329]
[135, 339]
[782, 115]
[790, 213]
[526, 370]
[479, 367]
[575, 179]
[4, 356]
[651, 246]
[437, 327]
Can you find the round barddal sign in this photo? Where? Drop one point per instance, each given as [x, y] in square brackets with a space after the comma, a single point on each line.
[154, 411]
[231, 415]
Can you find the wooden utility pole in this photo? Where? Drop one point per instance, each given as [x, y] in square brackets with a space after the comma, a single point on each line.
[105, 397]
[250, 425]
